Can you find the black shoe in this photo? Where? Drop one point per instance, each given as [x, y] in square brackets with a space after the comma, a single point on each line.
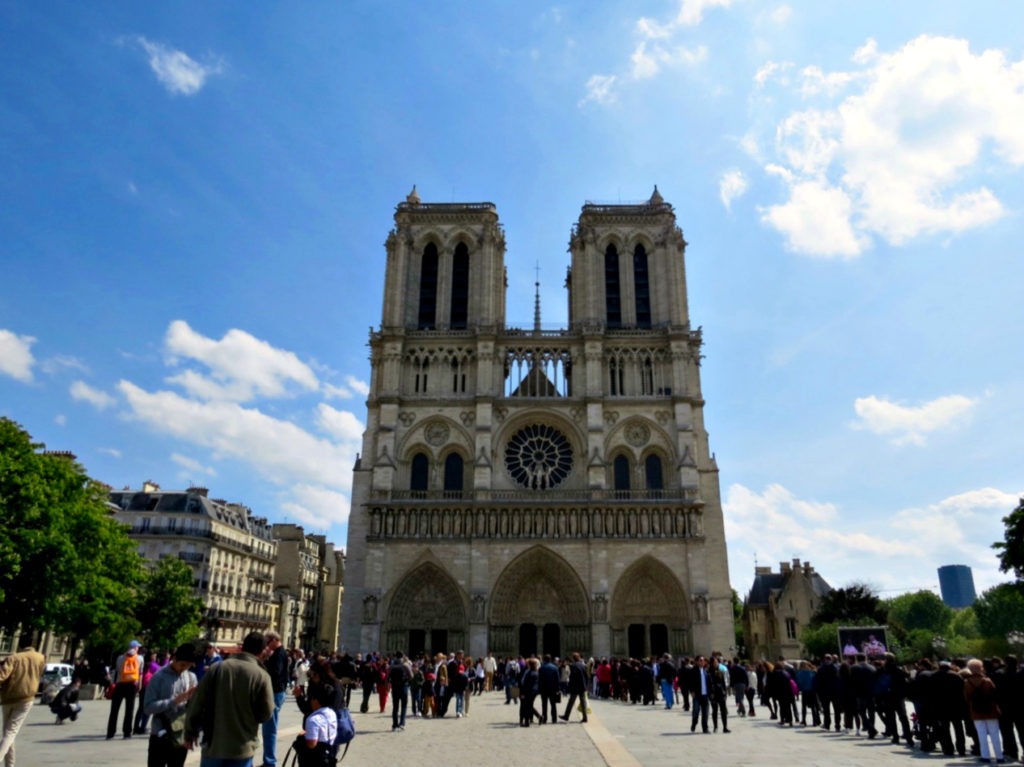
[725, 730]
[127, 735]
[564, 718]
[693, 729]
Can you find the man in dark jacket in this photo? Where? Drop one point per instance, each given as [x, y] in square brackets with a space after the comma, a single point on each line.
[826, 683]
[862, 677]
[399, 676]
[548, 690]
[667, 678]
[700, 684]
[948, 690]
[1008, 697]
[577, 687]
[276, 663]
[896, 702]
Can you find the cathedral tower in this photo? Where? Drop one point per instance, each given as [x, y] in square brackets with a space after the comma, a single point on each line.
[531, 491]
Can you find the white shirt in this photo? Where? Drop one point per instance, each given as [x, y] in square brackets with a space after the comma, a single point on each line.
[322, 725]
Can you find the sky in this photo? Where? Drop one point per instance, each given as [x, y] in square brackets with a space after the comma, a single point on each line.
[195, 198]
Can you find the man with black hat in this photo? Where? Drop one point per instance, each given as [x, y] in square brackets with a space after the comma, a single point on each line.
[167, 696]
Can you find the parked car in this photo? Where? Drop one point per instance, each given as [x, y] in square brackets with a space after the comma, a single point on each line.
[57, 675]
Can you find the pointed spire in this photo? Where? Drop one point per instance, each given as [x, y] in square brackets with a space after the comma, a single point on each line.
[536, 301]
[656, 198]
[413, 198]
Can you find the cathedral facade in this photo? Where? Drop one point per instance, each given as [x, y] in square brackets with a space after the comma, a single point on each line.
[522, 490]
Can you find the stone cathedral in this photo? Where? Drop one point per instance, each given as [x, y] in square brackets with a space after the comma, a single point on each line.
[526, 490]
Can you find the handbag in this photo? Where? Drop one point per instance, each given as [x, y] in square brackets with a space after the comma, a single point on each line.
[109, 692]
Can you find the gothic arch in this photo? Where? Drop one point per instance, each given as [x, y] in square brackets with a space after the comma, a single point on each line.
[649, 594]
[539, 588]
[426, 600]
[639, 436]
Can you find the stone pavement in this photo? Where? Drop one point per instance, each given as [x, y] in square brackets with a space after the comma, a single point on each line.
[617, 735]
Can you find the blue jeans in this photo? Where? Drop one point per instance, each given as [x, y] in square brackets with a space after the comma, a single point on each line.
[270, 733]
[667, 693]
[216, 761]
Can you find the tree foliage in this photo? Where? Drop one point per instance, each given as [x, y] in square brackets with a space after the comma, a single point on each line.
[168, 608]
[820, 639]
[855, 604]
[920, 610]
[965, 624]
[65, 564]
[1000, 610]
[1011, 548]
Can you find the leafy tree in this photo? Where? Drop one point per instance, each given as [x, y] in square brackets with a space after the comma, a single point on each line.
[855, 604]
[65, 564]
[920, 610]
[169, 609]
[821, 639]
[1011, 548]
[965, 624]
[1000, 610]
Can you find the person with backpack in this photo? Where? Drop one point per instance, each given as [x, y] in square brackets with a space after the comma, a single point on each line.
[127, 680]
[318, 743]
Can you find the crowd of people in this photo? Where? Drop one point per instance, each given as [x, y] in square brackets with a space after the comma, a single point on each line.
[195, 697]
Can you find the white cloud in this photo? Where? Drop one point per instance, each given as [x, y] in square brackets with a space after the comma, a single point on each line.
[600, 89]
[781, 15]
[691, 12]
[16, 358]
[909, 424]
[176, 70]
[60, 419]
[890, 549]
[900, 147]
[772, 70]
[314, 506]
[82, 392]
[731, 185]
[192, 465]
[279, 450]
[352, 387]
[241, 366]
[113, 452]
[339, 424]
[61, 362]
[816, 221]
[657, 49]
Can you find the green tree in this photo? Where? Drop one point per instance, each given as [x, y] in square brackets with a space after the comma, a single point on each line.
[920, 610]
[965, 624]
[1011, 548]
[852, 605]
[1000, 610]
[65, 564]
[820, 639]
[168, 609]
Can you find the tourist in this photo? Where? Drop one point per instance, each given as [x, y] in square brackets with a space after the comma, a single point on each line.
[19, 681]
[127, 678]
[165, 700]
[980, 696]
[577, 687]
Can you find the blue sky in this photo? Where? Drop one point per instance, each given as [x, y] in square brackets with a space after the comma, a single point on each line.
[196, 197]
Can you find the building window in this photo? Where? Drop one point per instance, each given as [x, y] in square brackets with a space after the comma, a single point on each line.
[791, 628]
[620, 472]
[642, 287]
[428, 289]
[652, 470]
[460, 287]
[420, 474]
[612, 289]
[453, 474]
[616, 376]
[647, 377]
[422, 367]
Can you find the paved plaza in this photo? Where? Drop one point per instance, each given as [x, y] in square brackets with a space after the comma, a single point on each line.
[618, 735]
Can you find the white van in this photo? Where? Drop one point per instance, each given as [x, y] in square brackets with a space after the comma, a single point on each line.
[58, 674]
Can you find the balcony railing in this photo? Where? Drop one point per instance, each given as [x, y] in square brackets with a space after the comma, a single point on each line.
[686, 495]
[647, 521]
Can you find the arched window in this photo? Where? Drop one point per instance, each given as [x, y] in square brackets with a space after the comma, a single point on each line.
[428, 289]
[653, 477]
[460, 287]
[419, 477]
[453, 474]
[620, 469]
[642, 286]
[612, 290]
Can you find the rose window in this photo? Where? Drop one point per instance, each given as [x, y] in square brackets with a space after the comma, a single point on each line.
[538, 457]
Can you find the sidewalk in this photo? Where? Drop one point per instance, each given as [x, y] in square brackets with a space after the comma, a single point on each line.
[618, 735]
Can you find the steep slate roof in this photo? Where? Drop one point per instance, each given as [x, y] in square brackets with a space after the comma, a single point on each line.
[767, 583]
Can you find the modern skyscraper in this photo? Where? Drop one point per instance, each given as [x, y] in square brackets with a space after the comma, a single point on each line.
[957, 585]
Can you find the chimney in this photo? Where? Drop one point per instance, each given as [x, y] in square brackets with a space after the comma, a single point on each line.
[784, 567]
[203, 491]
[796, 563]
[762, 570]
[149, 486]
